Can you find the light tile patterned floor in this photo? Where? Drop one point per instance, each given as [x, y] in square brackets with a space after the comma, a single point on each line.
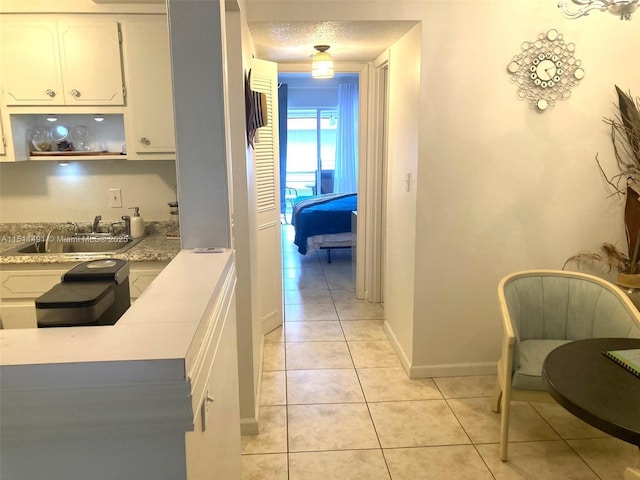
[336, 404]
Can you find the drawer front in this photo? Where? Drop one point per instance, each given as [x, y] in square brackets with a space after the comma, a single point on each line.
[28, 284]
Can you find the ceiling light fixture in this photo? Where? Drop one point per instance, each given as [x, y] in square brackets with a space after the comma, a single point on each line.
[623, 8]
[98, 118]
[51, 118]
[321, 65]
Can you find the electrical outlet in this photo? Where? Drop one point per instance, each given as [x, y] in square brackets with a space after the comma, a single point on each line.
[115, 198]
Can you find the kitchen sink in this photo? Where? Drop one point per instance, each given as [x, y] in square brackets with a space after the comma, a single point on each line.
[76, 245]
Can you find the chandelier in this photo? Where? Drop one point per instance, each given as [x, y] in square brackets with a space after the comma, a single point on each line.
[623, 8]
[322, 64]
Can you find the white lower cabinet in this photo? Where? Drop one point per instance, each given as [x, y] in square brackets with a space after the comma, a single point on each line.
[213, 447]
[21, 284]
[141, 274]
[153, 397]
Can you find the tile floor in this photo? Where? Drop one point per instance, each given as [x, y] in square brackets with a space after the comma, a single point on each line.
[336, 404]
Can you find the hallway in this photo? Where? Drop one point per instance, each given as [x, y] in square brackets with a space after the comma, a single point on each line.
[337, 404]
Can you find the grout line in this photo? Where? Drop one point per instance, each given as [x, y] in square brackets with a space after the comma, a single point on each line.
[286, 396]
[366, 402]
[562, 438]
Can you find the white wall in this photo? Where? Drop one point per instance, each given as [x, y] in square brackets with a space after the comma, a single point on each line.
[250, 338]
[500, 187]
[199, 94]
[47, 192]
[402, 152]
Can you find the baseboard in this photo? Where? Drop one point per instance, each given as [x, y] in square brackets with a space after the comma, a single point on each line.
[438, 370]
[404, 359]
[270, 323]
[249, 426]
[452, 370]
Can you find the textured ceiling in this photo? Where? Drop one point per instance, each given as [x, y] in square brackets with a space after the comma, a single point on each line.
[349, 41]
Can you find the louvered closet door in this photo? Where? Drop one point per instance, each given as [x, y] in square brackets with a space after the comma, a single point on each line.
[264, 78]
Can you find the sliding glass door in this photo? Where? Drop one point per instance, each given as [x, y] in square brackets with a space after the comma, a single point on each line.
[311, 149]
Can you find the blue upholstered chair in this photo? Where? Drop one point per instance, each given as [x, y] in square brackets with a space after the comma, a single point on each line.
[541, 310]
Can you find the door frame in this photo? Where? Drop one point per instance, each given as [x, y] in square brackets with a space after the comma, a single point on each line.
[376, 234]
[362, 69]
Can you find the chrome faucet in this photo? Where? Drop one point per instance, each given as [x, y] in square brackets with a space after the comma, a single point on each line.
[127, 224]
[96, 222]
[75, 227]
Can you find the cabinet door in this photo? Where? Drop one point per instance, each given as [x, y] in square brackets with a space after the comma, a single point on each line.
[28, 283]
[213, 449]
[141, 276]
[31, 72]
[149, 88]
[91, 63]
[18, 316]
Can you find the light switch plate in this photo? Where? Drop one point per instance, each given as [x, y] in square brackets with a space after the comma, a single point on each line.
[115, 198]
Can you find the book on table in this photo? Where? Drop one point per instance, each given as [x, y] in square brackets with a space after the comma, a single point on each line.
[628, 359]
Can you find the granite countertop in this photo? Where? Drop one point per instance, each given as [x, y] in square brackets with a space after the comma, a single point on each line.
[155, 247]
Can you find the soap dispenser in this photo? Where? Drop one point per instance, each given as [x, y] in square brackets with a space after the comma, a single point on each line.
[137, 224]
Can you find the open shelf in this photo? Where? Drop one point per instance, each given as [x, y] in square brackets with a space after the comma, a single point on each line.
[76, 156]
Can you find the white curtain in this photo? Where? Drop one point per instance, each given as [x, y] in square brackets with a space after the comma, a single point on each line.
[346, 166]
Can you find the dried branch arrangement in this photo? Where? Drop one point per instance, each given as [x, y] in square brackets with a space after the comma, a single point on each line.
[610, 256]
[625, 136]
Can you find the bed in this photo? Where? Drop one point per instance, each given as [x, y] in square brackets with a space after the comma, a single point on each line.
[324, 222]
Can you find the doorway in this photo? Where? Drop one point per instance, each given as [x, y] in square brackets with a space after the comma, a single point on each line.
[359, 71]
[320, 144]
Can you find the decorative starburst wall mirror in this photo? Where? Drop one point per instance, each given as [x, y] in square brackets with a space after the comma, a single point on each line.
[545, 70]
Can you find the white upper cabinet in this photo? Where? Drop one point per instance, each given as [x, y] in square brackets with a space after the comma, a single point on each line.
[31, 64]
[59, 63]
[147, 63]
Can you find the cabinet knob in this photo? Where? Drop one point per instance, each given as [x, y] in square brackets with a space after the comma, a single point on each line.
[75, 93]
[51, 93]
[145, 141]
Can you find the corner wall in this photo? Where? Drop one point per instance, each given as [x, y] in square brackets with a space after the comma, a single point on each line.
[500, 187]
[402, 167]
[250, 337]
[199, 96]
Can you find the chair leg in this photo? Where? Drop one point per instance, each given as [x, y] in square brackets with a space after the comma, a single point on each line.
[496, 398]
[631, 474]
[504, 423]
[292, 204]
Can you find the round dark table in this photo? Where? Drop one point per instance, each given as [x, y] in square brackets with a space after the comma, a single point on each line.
[594, 388]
